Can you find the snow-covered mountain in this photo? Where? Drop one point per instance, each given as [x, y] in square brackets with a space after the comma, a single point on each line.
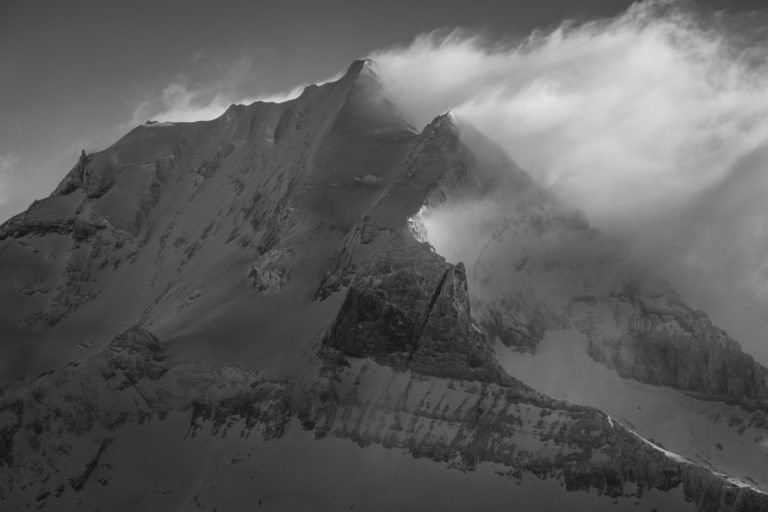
[312, 304]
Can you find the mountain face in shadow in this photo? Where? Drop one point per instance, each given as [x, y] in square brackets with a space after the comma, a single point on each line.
[279, 309]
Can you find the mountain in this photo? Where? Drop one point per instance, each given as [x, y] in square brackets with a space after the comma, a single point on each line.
[266, 311]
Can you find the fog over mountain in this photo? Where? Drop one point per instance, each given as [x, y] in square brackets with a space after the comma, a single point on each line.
[654, 123]
[469, 271]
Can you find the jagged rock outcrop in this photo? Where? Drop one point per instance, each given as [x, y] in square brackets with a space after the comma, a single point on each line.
[271, 272]
[74, 178]
[451, 345]
[409, 308]
[137, 355]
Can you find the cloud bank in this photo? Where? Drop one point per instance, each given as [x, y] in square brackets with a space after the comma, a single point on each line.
[623, 116]
[654, 123]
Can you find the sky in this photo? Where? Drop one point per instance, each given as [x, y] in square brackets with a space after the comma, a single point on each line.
[79, 74]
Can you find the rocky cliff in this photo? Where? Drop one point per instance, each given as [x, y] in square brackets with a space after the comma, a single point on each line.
[59, 429]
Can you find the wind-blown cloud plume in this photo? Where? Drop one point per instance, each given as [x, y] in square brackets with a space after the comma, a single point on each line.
[623, 115]
[182, 101]
[655, 123]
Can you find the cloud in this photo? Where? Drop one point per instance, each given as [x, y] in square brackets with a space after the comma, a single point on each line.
[184, 101]
[181, 103]
[654, 123]
[623, 116]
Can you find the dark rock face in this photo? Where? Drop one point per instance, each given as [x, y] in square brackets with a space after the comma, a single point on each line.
[19, 226]
[387, 308]
[409, 308]
[451, 346]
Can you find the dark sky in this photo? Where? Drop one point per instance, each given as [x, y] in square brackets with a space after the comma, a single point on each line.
[72, 74]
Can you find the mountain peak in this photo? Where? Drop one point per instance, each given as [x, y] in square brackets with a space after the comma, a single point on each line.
[215, 238]
[359, 65]
[358, 69]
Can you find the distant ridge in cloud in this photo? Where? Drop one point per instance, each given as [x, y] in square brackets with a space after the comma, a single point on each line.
[655, 123]
[625, 116]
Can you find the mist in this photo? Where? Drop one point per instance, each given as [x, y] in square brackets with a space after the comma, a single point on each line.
[183, 102]
[654, 123]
